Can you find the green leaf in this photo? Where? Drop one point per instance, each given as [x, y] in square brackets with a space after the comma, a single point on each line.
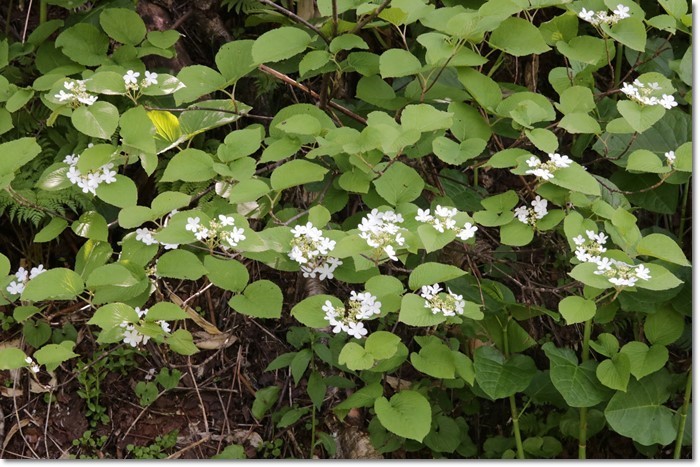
[664, 327]
[484, 90]
[54, 284]
[181, 342]
[579, 122]
[12, 358]
[399, 184]
[578, 384]
[639, 413]
[180, 264]
[414, 313]
[543, 139]
[312, 61]
[630, 32]
[382, 344]
[279, 44]
[614, 373]
[518, 37]
[163, 39]
[165, 311]
[347, 42]
[457, 153]
[235, 60]
[395, 63]
[436, 360]
[84, 43]
[309, 313]
[51, 230]
[189, 165]
[301, 124]
[137, 130]
[91, 225]
[228, 274]
[407, 414]
[36, 333]
[425, 118]
[99, 120]
[640, 117]
[123, 25]
[515, 233]
[663, 247]
[432, 273]
[198, 80]
[576, 99]
[22, 313]
[675, 8]
[16, 153]
[52, 355]
[316, 388]
[499, 377]
[363, 397]
[113, 274]
[661, 278]
[265, 398]
[645, 360]
[261, 299]
[296, 172]
[576, 309]
[355, 357]
[232, 451]
[121, 193]
[299, 364]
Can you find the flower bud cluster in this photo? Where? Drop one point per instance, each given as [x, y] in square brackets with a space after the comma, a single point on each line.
[77, 94]
[620, 273]
[531, 215]
[545, 170]
[361, 306]
[221, 232]
[22, 276]
[310, 249]
[589, 251]
[382, 232]
[131, 334]
[443, 219]
[602, 17]
[88, 182]
[670, 158]
[643, 93]
[449, 304]
[132, 83]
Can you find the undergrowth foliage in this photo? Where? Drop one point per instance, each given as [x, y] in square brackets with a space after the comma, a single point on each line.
[501, 192]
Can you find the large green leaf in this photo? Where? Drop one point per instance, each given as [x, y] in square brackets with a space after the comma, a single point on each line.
[518, 37]
[499, 377]
[14, 154]
[84, 43]
[180, 264]
[261, 299]
[123, 25]
[190, 165]
[279, 44]
[399, 184]
[431, 273]
[296, 172]
[663, 247]
[309, 311]
[54, 284]
[407, 414]
[578, 384]
[639, 413]
[644, 360]
[395, 63]
[98, 120]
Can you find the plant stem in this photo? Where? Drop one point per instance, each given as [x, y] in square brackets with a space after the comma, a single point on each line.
[583, 411]
[514, 415]
[618, 64]
[43, 11]
[684, 415]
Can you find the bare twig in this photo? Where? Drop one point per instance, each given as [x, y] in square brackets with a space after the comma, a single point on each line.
[358, 27]
[296, 18]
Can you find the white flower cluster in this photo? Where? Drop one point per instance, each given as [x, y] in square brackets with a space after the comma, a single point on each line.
[222, 232]
[131, 80]
[545, 170]
[670, 158]
[591, 249]
[443, 219]
[132, 336]
[310, 249]
[77, 94]
[602, 17]
[620, 273]
[349, 319]
[643, 93]
[145, 235]
[449, 304]
[88, 182]
[531, 215]
[381, 231]
[32, 365]
[23, 276]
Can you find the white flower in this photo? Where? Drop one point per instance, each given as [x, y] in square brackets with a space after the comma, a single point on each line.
[192, 224]
[604, 264]
[599, 237]
[559, 160]
[642, 272]
[670, 157]
[15, 287]
[667, 101]
[226, 220]
[334, 262]
[202, 234]
[87, 99]
[579, 240]
[424, 215]
[108, 175]
[170, 246]
[357, 330]
[629, 89]
[297, 255]
[325, 271]
[541, 173]
[236, 236]
[71, 159]
[131, 77]
[132, 337]
[149, 79]
[391, 253]
[63, 96]
[467, 232]
[533, 161]
[141, 313]
[36, 271]
[144, 235]
[164, 325]
[429, 291]
[622, 11]
[22, 274]
[586, 15]
[654, 86]
[328, 307]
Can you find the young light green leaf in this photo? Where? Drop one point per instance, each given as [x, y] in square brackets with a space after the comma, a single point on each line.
[261, 299]
[407, 414]
[279, 44]
[576, 309]
[54, 284]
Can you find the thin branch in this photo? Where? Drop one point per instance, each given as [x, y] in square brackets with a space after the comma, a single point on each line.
[358, 27]
[296, 18]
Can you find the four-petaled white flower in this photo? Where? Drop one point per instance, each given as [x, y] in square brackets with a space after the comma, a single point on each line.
[36, 271]
[192, 224]
[622, 11]
[150, 79]
[226, 220]
[15, 287]
[424, 215]
[131, 77]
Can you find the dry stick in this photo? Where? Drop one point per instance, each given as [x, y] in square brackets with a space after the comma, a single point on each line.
[281, 76]
[296, 18]
[199, 396]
